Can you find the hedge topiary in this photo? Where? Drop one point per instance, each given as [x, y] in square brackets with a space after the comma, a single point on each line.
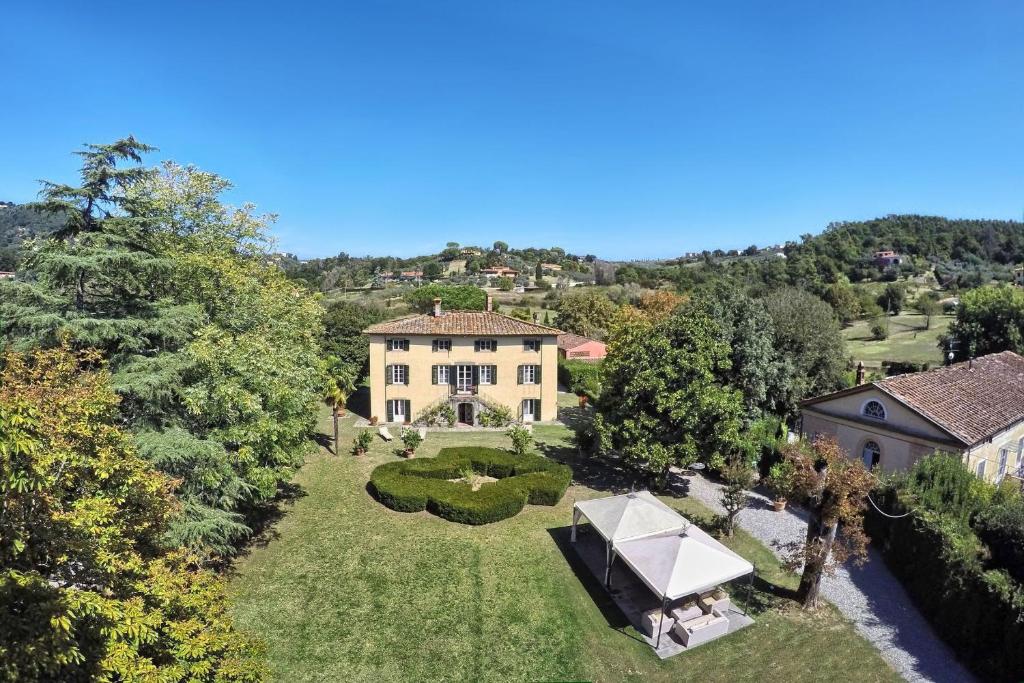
[415, 485]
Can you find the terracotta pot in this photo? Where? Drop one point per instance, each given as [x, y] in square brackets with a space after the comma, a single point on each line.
[583, 401]
[373, 420]
[410, 453]
[779, 505]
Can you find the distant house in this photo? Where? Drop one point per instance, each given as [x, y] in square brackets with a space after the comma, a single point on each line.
[551, 267]
[470, 251]
[6, 275]
[499, 271]
[576, 347]
[886, 259]
[974, 410]
[411, 275]
[1018, 276]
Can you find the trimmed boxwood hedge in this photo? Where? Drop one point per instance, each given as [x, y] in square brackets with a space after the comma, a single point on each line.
[415, 485]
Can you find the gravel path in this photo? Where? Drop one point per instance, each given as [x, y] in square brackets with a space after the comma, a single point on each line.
[871, 597]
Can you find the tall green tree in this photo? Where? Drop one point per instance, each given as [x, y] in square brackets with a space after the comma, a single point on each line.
[989, 320]
[341, 382]
[212, 348]
[453, 297]
[807, 331]
[662, 403]
[585, 312]
[88, 589]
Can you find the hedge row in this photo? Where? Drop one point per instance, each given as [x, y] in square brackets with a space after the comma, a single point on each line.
[977, 612]
[415, 485]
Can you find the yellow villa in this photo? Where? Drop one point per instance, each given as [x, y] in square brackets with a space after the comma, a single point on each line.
[473, 360]
[973, 409]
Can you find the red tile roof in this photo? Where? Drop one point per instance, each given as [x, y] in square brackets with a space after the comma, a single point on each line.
[461, 323]
[569, 340]
[971, 401]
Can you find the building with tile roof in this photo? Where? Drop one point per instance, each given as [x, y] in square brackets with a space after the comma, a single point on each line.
[576, 347]
[473, 361]
[974, 409]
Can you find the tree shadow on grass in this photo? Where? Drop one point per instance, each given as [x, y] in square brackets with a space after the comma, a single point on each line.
[263, 519]
[359, 402]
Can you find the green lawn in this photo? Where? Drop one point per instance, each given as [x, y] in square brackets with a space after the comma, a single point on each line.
[907, 341]
[343, 589]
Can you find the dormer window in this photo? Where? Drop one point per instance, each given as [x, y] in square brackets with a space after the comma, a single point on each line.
[874, 410]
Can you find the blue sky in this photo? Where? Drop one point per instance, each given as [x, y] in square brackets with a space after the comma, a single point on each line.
[627, 129]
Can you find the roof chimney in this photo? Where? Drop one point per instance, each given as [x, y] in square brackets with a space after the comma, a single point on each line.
[490, 303]
[860, 372]
[437, 308]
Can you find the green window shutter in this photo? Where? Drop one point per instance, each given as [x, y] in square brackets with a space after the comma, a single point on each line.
[390, 416]
[494, 374]
[408, 410]
[536, 409]
[476, 344]
[476, 375]
[406, 377]
[519, 373]
[387, 375]
[451, 374]
[536, 374]
[433, 374]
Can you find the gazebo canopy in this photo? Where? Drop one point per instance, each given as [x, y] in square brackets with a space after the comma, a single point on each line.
[677, 564]
[627, 516]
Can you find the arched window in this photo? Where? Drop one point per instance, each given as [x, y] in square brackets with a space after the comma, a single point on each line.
[871, 454]
[873, 409]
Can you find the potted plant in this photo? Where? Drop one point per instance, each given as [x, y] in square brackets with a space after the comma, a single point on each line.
[411, 439]
[780, 483]
[373, 421]
[362, 442]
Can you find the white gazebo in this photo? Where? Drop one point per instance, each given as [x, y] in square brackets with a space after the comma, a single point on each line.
[625, 517]
[676, 564]
[671, 556]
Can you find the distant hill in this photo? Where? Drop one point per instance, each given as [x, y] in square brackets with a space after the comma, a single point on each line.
[19, 222]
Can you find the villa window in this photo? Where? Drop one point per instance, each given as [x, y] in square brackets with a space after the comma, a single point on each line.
[399, 410]
[398, 344]
[1004, 456]
[442, 345]
[531, 345]
[488, 373]
[871, 454]
[486, 345]
[529, 374]
[979, 469]
[874, 410]
[531, 409]
[398, 374]
[442, 374]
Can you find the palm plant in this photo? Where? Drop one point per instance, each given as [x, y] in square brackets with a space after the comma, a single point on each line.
[341, 382]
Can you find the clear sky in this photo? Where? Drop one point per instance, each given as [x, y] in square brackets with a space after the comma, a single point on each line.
[624, 129]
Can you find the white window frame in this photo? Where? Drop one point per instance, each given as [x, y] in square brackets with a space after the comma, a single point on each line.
[486, 374]
[398, 374]
[486, 345]
[864, 406]
[398, 410]
[532, 345]
[979, 468]
[397, 344]
[444, 374]
[529, 374]
[528, 415]
[442, 345]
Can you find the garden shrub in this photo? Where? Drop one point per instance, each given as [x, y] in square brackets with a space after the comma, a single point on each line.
[1001, 528]
[416, 485]
[581, 377]
[939, 560]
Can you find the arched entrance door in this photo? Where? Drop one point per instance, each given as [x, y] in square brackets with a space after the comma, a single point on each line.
[466, 413]
[871, 454]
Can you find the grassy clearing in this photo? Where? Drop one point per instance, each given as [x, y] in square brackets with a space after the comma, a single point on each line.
[345, 589]
[908, 340]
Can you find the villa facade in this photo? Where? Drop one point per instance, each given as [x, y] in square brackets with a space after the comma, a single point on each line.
[472, 360]
[973, 409]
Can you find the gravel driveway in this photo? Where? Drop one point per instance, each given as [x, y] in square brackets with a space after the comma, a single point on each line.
[871, 597]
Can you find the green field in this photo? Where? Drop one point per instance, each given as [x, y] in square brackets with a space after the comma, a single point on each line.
[343, 589]
[908, 340]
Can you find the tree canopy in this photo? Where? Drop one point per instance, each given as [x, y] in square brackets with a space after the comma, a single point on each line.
[989, 320]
